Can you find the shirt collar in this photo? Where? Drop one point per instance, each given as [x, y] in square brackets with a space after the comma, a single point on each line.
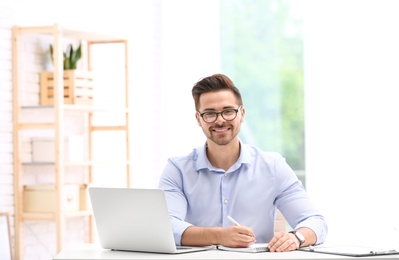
[202, 161]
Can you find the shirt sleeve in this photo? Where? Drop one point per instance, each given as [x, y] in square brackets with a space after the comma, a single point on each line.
[172, 184]
[294, 203]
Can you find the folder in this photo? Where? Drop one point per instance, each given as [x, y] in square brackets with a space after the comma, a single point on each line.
[350, 250]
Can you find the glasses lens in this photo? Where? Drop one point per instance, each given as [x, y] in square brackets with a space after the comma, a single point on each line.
[229, 114]
[209, 117]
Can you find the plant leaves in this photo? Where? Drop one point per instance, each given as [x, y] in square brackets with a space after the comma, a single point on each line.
[71, 56]
[51, 53]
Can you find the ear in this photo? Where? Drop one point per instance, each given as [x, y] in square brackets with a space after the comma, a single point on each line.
[242, 114]
[198, 118]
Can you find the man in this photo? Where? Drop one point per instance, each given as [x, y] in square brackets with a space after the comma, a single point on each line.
[228, 178]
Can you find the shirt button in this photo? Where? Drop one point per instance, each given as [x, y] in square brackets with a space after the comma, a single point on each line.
[226, 201]
[225, 175]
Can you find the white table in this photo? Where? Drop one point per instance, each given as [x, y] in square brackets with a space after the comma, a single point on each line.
[94, 251]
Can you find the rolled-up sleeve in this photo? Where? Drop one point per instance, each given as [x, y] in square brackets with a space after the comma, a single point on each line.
[318, 225]
[171, 183]
[294, 202]
[178, 228]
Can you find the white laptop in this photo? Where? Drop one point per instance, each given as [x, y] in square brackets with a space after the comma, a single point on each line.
[134, 220]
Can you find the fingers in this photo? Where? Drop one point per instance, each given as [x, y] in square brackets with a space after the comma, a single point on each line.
[243, 236]
[236, 236]
[283, 242]
[246, 231]
[244, 240]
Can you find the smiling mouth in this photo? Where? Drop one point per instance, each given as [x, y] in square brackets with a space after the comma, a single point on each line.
[221, 130]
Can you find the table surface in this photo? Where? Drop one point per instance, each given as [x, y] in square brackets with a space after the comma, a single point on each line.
[94, 251]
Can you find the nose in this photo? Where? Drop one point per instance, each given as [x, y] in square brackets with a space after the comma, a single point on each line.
[219, 118]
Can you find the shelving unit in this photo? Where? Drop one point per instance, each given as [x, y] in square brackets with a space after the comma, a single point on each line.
[57, 127]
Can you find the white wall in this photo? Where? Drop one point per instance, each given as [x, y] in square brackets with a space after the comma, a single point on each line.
[188, 49]
[352, 108]
[6, 146]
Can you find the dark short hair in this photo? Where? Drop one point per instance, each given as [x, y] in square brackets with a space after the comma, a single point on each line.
[214, 83]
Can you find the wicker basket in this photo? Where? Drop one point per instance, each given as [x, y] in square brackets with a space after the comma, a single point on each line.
[78, 87]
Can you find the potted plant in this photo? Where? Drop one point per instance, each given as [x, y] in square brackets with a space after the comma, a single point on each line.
[71, 56]
[78, 84]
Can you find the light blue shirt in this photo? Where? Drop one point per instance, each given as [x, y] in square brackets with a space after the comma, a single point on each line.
[250, 191]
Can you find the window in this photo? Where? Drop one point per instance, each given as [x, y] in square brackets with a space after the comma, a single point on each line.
[262, 52]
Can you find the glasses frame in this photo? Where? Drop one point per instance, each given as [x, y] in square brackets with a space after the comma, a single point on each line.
[220, 113]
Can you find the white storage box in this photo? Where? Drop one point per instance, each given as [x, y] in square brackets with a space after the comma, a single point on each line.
[43, 149]
[42, 198]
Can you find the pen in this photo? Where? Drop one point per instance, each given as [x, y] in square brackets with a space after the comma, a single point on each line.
[233, 220]
[236, 223]
[387, 252]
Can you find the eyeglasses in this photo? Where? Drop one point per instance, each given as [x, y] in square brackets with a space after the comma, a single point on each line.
[227, 114]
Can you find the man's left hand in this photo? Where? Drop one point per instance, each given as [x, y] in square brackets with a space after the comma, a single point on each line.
[283, 242]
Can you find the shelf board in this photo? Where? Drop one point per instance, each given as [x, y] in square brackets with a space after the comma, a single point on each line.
[50, 216]
[37, 163]
[82, 108]
[71, 33]
[86, 163]
[32, 126]
[36, 106]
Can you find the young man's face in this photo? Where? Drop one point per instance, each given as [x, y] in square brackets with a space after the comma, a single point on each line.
[222, 131]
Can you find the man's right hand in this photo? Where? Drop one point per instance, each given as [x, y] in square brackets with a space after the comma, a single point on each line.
[237, 236]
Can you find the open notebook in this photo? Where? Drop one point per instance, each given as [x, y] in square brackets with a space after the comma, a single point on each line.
[254, 248]
[134, 220]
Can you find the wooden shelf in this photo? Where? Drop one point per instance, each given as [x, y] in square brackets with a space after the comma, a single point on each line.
[56, 128]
